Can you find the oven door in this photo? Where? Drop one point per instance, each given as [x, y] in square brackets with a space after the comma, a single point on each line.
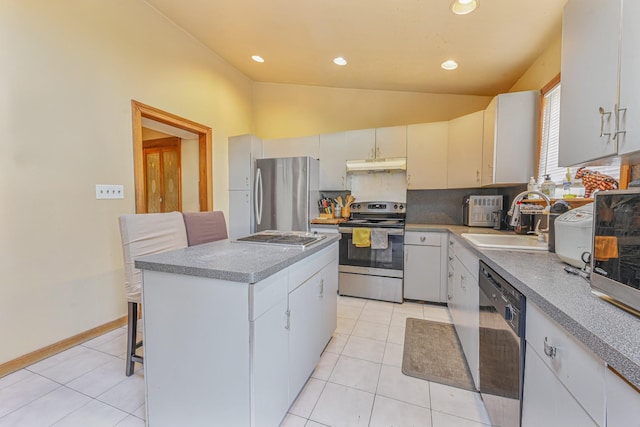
[391, 258]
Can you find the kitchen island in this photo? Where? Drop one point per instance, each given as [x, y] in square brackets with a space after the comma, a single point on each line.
[233, 330]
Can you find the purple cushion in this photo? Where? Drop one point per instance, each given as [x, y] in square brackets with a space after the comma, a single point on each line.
[204, 227]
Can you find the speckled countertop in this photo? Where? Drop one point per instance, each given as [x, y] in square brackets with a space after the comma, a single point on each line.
[611, 333]
[228, 260]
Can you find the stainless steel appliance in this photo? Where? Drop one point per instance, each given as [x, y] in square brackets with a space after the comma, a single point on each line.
[285, 193]
[478, 211]
[615, 260]
[367, 272]
[502, 323]
[296, 239]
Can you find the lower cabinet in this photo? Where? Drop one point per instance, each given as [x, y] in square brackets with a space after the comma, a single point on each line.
[240, 214]
[623, 401]
[463, 295]
[425, 262]
[562, 375]
[546, 401]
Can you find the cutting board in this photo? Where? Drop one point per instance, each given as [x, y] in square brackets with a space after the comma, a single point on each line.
[328, 220]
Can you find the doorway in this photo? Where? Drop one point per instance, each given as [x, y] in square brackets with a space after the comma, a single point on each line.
[204, 134]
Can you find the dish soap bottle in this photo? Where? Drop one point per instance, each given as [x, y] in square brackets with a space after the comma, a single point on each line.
[532, 186]
[548, 187]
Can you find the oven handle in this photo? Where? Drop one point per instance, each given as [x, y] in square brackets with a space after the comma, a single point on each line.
[390, 231]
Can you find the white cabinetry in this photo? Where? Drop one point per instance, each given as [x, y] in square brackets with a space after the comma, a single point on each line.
[292, 147]
[425, 264]
[464, 155]
[510, 138]
[623, 402]
[336, 149]
[243, 152]
[600, 92]
[463, 296]
[427, 155]
[569, 369]
[391, 142]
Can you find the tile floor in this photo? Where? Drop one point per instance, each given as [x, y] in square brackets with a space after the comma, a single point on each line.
[358, 381]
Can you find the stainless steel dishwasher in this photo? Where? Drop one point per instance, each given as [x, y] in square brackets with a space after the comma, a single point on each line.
[502, 321]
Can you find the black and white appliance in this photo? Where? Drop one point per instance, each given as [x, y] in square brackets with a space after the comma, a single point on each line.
[374, 271]
[501, 346]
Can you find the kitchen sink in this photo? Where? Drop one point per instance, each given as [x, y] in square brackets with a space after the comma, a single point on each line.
[506, 241]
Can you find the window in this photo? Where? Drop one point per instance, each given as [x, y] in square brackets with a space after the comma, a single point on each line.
[548, 163]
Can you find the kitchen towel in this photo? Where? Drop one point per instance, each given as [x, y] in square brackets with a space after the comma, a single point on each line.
[379, 238]
[362, 237]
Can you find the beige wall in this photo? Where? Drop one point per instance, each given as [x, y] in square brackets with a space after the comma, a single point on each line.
[283, 110]
[544, 69]
[69, 71]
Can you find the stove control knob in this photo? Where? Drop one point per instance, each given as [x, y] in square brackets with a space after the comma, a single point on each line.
[401, 207]
[395, 206]
[358, 206]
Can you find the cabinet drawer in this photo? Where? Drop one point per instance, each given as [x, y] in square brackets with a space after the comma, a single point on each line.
[268, 292]
[465, 255]
[422, 238]
[301, 271]
[581, 371]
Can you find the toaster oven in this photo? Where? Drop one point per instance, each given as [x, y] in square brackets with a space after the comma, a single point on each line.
[478, 210]
[615, 260]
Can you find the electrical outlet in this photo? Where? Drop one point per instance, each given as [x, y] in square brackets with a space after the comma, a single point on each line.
[104, 191]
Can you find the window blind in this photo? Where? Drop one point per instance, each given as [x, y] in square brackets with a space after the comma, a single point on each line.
[548, 163]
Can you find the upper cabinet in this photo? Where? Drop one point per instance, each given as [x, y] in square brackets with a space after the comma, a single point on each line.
[390, 142]
[336, 149]
[427, 155]
[243, 151]
[292, 147]
[510, 138]
[600, 91]
[464, 155]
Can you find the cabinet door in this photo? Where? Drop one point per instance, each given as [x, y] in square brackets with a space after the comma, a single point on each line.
[590, 32]
[545, 400]
[391, 142]
[329, 296]
[305, 311]
[422, 273]
[489, 142]
[464, 155]
[629, 84]
[361, 144]
[240, 214]
[333, 161]
[243, 150]
[292, 147]
[427, 156]
[623, 402]
[470, 340]
[270, 366]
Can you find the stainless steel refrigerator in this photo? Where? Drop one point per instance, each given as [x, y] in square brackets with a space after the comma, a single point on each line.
[286, 193]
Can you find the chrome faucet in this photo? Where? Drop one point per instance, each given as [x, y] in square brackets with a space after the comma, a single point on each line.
[514, 212]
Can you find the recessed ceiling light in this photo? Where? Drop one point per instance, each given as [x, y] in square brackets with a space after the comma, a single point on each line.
[257, 58]
[339, 61]
[449, 64]
[462, 7]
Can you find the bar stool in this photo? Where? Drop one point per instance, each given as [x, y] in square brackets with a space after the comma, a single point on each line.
[205, 227]
[145, 234]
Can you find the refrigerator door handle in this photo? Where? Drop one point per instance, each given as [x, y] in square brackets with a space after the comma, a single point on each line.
[258, 199]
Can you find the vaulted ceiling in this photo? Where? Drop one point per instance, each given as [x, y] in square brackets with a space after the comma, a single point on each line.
[389, 44]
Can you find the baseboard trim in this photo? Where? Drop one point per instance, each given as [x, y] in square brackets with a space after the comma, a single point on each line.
[40, 354]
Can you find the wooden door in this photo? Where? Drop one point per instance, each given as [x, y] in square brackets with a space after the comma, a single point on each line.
[162, 175]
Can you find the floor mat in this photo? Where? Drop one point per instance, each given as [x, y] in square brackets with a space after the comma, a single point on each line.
[433, 352]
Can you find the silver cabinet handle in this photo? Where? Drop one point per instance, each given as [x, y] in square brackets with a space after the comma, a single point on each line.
[602, 114]
[321, 288]
[477, 174]
[287, 315]
[408, 179]
[450, 258]
[450, 274]
[618, 131]
[549, 350]
[423, 238]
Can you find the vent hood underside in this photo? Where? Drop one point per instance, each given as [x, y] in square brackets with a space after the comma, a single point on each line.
[397, 164]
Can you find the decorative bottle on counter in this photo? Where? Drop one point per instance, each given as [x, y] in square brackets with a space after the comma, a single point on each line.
[548, 187]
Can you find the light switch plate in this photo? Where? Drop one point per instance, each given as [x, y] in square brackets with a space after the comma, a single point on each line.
[106, 191]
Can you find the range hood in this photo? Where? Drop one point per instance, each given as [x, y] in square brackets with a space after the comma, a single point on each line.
[396, 164]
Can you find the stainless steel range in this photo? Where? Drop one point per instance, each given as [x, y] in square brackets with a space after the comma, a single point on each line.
[375, 270]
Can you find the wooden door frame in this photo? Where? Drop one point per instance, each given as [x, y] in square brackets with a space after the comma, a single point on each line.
[205, 160]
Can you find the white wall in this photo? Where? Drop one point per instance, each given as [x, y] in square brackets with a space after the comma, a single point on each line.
[69, 71]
